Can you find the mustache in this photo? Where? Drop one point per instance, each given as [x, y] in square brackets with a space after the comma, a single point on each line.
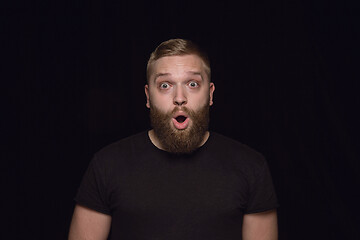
[189, 112]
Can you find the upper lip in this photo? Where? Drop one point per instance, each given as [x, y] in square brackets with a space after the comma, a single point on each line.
[180, 113]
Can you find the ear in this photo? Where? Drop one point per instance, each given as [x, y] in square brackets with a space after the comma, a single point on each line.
[212, 89]
[147, 96]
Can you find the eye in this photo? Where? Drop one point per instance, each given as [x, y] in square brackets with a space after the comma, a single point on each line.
[164, 85]
[193, 84]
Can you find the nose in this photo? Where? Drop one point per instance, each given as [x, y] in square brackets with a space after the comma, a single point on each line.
[180, 96]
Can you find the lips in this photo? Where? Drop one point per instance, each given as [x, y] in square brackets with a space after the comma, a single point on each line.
[180, 120]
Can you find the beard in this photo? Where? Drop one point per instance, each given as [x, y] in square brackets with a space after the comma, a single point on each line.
[180, 141]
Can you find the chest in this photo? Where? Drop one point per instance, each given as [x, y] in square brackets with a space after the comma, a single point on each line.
[179, 190]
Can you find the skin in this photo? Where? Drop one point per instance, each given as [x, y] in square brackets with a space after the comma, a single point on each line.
[260, 226]
[175, 81]
[87, 224]
[178, 81]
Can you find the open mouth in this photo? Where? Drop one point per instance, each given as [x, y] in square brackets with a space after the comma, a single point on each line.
[180, 119]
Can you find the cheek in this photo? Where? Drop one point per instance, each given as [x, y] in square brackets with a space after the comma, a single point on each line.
[200, 100]
[161, 102]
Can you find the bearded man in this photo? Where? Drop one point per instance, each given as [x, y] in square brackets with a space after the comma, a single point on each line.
[178, 180]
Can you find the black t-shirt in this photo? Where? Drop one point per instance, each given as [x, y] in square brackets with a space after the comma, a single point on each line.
[153, 194]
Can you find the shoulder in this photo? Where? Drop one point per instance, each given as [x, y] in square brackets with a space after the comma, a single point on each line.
[122, 149]
[236, 151]
[226, 144]
[124, 144]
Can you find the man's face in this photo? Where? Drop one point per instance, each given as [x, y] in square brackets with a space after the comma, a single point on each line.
[179, 95]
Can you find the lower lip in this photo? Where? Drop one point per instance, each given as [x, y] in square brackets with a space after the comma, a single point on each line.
[182, 125]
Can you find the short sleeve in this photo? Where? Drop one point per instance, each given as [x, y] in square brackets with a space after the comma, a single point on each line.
[262, 196]
[92, 191]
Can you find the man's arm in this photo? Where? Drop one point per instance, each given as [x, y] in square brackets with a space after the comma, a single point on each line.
[89, 224]
[260, 226]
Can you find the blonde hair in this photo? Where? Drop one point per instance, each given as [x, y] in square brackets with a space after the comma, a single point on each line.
[178, 47]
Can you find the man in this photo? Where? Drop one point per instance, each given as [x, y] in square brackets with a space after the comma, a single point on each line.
[178, 180]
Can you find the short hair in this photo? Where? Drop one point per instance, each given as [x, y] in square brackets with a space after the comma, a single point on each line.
[178, 47]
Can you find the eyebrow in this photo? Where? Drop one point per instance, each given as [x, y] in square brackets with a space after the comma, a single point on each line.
[160, 75]
[196, 73]
[168, 74]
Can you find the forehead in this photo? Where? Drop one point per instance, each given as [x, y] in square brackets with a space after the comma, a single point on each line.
[178, 65]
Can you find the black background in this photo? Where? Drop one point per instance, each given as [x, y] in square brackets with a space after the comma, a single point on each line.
[286, 76]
